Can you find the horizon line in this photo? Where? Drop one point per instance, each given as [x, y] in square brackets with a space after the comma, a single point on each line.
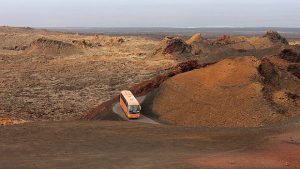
[173, 27]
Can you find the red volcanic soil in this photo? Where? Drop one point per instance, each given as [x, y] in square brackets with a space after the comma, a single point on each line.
[9, 121]
[235, 92]
[104, 112]
[281, 151]
[6, 121]
[111, 144]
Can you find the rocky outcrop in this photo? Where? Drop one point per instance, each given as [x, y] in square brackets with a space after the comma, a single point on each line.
[113, 41]
[195, 42]
[84, 44]
[196, 38]
[174, 46]
[275, 37]
[15, 48]
[281, 86]
[44, 46]
[294, 69]
[291, 54]
[223, 40]
[148, 85]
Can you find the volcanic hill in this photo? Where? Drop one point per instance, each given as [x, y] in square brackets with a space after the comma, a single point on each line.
[235, 92]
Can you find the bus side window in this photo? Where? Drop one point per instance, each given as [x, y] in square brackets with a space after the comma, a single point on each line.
[124, 100]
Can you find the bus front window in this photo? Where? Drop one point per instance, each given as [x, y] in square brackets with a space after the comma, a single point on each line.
[134, 109]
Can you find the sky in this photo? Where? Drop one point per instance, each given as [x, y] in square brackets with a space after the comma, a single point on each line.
[150, 13]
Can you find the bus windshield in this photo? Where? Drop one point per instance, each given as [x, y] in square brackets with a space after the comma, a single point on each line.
[134, 109]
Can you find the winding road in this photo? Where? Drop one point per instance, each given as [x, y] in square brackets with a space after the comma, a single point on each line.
[143, 119]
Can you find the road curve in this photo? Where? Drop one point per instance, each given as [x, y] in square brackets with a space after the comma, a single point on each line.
[143, 119]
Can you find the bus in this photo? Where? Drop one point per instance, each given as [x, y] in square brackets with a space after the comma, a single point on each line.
[130, 105]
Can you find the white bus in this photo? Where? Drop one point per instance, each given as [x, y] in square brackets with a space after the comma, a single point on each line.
[130, 105]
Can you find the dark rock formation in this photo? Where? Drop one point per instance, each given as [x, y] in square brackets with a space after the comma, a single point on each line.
[275, 37]
[174, 45]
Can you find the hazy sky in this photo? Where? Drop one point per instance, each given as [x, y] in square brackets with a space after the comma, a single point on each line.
[150, 13]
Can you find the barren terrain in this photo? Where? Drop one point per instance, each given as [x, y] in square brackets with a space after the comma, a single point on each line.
[225, 102]
[54, 76]
[112, 145]
[234, 92]
[54, 79]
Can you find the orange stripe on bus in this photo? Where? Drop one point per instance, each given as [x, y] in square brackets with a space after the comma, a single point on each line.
[124, 107]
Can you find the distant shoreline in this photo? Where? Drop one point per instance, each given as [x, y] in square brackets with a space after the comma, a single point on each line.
[162, 31]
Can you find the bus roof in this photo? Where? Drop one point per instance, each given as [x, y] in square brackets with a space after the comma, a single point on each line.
[131, 100]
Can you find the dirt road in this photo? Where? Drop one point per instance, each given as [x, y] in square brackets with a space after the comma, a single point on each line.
[143, 119]
[114, 145]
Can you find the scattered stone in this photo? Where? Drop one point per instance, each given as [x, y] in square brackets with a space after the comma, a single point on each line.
[83, 44]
